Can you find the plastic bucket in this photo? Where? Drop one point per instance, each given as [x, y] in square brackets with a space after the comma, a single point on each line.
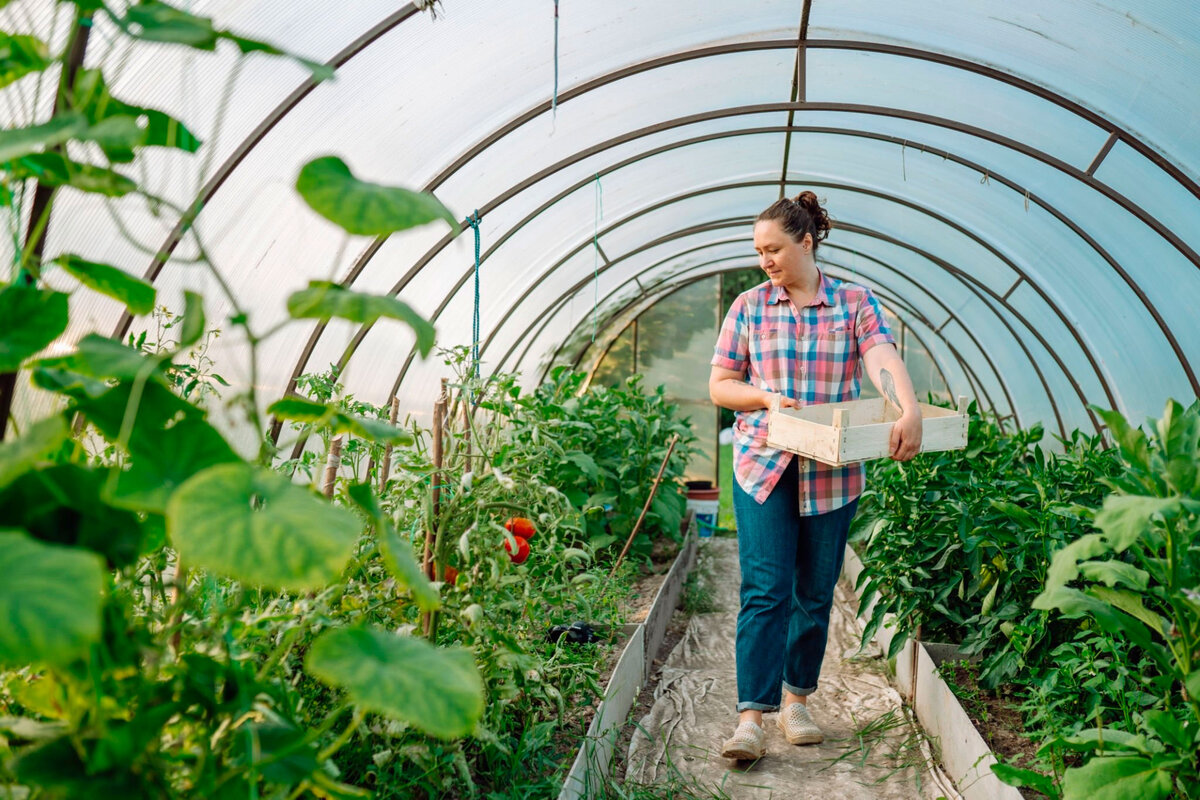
[706, 503]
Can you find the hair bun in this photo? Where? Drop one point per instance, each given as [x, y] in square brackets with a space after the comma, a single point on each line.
[809, 202]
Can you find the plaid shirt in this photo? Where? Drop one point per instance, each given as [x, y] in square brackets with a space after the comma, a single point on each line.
[810, 354]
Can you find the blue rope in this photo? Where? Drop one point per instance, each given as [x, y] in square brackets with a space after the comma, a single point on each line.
[596, 256]
[554, 101]
[473, 221]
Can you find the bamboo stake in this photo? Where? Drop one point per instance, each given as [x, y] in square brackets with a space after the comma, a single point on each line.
[332, 462]
[386, 468]
[435, 480]
[653, 489]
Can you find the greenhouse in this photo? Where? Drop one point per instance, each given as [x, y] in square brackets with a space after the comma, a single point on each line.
[469, 399]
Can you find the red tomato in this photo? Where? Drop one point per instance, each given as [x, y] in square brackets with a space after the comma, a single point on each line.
[520, 526]
[451, 575]
[522, 550]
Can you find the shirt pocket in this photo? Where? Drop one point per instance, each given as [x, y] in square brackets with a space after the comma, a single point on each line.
[835, 349]
[768, 354]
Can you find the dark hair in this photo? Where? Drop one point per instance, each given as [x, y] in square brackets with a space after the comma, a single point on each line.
[799, 215]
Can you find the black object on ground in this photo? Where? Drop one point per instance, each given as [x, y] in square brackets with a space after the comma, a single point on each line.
[578, 632]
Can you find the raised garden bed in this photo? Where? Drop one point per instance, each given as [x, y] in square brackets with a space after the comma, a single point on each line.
[590, 770]
[965, 755]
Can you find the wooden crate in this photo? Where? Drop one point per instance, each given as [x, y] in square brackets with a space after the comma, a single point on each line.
[859, 430]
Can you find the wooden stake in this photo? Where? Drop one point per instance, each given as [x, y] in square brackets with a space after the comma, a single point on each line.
[435, 497]
[386, 468]
[435, 480]
[653, 489]
[332, 462]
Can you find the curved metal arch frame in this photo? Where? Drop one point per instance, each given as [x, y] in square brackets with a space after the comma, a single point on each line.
[667, 288]
[755, 109]
[801, 43]
[972, 379]
[952, 316]
[842, 269]
[950, 223]
[946, 266]
[891, 269]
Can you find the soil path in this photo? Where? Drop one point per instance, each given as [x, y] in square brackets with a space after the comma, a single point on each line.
[693, 712]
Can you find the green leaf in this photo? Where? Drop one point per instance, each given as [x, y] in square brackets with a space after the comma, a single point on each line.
[33, 318]
[1112, 573]
[1108, 739]
[301, 409]
[64, 504]
[1126, 518]
[366, 209]
[1064, 566]
[98, 356]
[1167, 727]
[1192, 684]
[38, 441]
[54, 169]
[1025, 778]
[1117, 778]
[258, 527]
[436, 690]
[118, 127]
[373, 429]
[50, 601]
[165, 462]
[194, 320]
[118, 137]
[65, 382]
[21, 55]
[1131, 441]
[1132, 605]
[397, 553]
[18, 142]
[322, 300]
[297, 408]
[137, 295]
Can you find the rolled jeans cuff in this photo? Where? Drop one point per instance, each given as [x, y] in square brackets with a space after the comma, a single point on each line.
[799, 692]
[756, 707]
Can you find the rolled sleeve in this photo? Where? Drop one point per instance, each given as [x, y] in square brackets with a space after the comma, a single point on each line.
[870, 326]
[733, 348]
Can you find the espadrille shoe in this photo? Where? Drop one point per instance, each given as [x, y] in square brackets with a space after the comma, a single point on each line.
[798, 726]
[746, 744]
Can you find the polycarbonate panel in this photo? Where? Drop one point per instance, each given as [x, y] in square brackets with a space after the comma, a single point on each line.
[546, 300]
[924, 87]
[1130, 62]
[1137, 178]
[1035, 313]
[633, 103]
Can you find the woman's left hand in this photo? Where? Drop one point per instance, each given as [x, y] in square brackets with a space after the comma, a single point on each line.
[906, 436]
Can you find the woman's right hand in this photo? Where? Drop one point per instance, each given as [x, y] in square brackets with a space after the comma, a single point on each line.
[784, 400]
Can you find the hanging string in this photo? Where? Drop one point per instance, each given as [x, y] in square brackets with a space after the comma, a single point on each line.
[473, 221]
[554, 100]
[596, 257]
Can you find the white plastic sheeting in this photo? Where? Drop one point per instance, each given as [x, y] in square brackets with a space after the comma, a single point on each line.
[1030, 168]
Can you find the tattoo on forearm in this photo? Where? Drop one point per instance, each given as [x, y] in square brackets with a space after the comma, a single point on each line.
[889, 388]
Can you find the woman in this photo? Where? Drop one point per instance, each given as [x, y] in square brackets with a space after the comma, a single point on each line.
[806, 337]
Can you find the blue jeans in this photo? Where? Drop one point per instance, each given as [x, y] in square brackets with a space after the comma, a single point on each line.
[790, 566]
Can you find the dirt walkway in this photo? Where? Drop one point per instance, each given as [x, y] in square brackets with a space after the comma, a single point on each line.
[694, 702]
